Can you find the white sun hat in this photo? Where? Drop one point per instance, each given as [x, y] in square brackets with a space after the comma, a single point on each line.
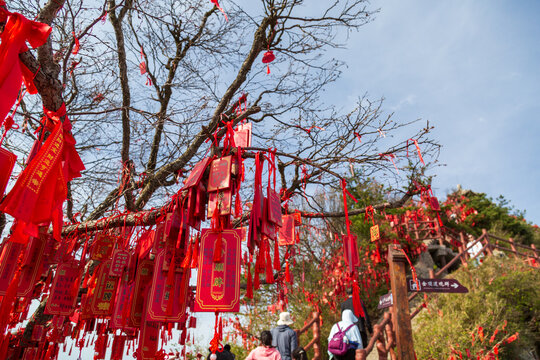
[285, 318]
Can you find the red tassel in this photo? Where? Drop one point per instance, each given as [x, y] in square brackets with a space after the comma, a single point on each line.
[195, 255]
[186, 263]
[357, 303]
[249, 287]
[277, 265]
[256, 282]
[269, 272]
[218, 249]
[238, 203]
[287, 273]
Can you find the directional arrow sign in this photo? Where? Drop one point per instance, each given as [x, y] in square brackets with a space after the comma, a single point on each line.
[386, 301]
[436, 285]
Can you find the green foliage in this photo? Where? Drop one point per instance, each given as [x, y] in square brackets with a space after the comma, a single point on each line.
[502, 290]
[496, 216]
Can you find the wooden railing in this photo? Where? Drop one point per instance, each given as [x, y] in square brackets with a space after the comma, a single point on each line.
[383, 337]
[315, 324]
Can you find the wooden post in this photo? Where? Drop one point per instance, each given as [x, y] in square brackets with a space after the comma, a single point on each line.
[316, 328]
[534, 251]
[401, 315]
[486, 242]
[514, 250]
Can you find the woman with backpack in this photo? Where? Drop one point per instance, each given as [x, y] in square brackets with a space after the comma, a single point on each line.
[265, 351]
[345, 337]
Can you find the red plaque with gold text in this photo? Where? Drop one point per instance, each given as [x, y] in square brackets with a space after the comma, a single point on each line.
[218, 283]
[220, 174]
[64, 289]
[160, 293]
[104, 292]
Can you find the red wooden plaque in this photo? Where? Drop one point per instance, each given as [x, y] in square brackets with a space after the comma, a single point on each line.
[196, 174]
[350, 249]
[30, 353]
[242, 135]
[119, 342]
[103, 246]
[7, 161]
[104, 292]
[218, 284]
[158, 301]
[222, 199]
[434, 203]
[220, 174]
[142, 286]
[274, 207]
[38, 332]
[268, 228]
[120, 261]
[65, 288]
[8, 263]
[123, 296]
[286, 232]
[374, 232]
[145, 243]
[149, 339]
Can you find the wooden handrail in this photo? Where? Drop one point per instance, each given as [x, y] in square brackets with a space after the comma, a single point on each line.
[514, 243]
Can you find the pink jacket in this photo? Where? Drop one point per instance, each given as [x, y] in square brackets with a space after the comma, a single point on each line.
[264, 353]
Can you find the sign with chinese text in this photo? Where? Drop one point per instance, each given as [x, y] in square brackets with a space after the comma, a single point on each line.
[103, 246]
[196, 174]
[218, 283]
[160, 307]
[64, 290]
[436, 285]
[143, 281]
[385, 301]
[104, 292]
[120, 261]
[220, 174]
[286, 231]
[374, 231]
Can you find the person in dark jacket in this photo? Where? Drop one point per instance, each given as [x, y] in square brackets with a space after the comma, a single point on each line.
[364, 324]
[284, 338]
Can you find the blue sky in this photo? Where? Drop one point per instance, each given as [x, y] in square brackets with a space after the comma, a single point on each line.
[472, 69]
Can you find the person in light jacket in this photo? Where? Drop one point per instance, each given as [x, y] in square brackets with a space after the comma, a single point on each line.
[352, 335]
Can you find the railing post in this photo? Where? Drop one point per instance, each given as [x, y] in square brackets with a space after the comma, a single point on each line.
[316, 328]
[513, 247]
[462, 256]
[486, 241]
[534, 251]
[401, 315]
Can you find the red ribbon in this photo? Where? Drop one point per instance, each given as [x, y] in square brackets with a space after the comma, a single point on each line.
[215, 2]
[77, 45]
[369, 213]
[390, 157]
[345, 194]
[417, 149]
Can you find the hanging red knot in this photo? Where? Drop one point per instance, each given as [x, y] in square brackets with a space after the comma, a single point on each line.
[268, 57]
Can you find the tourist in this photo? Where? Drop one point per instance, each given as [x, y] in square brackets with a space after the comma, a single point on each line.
[266, 351]
[364, 324]
[352, 337]
[285, 339]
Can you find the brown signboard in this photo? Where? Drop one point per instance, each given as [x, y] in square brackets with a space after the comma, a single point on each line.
[436, 285]
[385, 301]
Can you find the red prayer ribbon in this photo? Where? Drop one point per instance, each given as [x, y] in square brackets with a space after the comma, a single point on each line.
[345, 194]
[417, 149]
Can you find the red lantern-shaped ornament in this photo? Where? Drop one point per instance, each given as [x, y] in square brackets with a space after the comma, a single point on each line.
[268, 57]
